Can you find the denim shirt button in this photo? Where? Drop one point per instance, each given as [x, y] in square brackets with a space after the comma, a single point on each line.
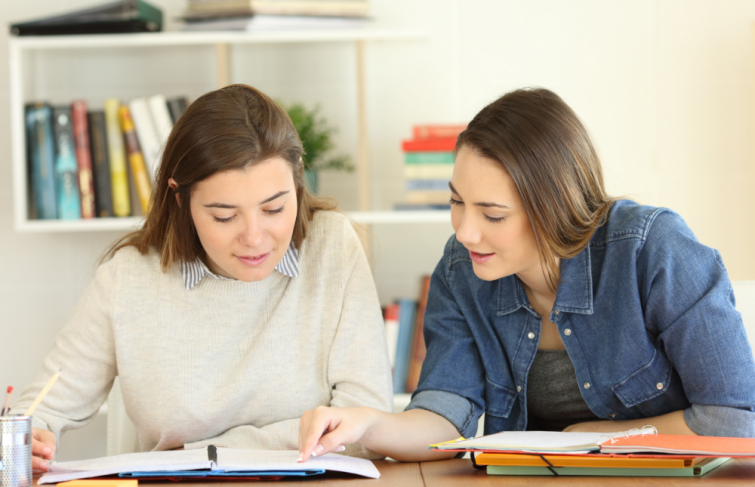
[587, 385]
[518, 388]
[556, 312]
[567, 332]
[530, 335]
[659, 386]
[612, 415]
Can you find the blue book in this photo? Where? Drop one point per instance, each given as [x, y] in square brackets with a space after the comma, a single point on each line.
[41, 152]
[66, 168]
[407, 310]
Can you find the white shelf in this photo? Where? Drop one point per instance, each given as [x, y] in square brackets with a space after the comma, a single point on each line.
[134, 222]
[210, 38]
[388, 217]
[21, 47]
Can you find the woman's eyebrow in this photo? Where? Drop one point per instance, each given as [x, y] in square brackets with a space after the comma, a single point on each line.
[276, 195]
[227, 206]
[484, 204]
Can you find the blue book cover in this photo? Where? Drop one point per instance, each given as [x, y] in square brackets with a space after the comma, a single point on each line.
[66, 169]
[41, 150]
[407, 310]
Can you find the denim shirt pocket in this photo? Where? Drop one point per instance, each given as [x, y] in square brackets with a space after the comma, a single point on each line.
[649, 381]
[498, 399]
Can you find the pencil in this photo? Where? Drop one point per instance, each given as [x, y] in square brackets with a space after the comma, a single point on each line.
[42, 393]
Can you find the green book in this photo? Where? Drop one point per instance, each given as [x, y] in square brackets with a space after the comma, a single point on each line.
[429, 157]
[696, 471]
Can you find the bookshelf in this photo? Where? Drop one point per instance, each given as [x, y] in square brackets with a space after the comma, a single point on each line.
[23, 48]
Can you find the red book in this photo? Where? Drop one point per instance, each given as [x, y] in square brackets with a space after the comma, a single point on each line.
[438, 131]
[418, 347]
[446, 144]
[83, 157]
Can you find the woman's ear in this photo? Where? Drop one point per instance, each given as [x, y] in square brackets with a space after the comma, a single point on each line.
[174, 186]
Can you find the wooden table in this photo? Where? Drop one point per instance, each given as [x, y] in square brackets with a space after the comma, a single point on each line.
[454, 473]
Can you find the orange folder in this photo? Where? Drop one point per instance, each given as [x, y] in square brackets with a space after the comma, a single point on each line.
[682, 445]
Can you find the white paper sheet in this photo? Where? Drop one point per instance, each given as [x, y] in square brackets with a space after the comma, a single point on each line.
[129, 462]
[535, 441]
[242, 460]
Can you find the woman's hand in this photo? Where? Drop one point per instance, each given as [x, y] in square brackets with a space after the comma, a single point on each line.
[325, 429]
[43, 446]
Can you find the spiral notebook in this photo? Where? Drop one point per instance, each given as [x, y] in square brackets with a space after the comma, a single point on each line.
[207, 462]
[644, 440]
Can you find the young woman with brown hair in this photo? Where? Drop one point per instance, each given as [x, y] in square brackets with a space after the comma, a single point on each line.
[242, 302]
[556, 307]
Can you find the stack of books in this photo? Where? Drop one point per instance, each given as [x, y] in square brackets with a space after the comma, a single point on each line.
[93, 163]
[255, 15]
[428, 166]
[634, 453]
[406, 342]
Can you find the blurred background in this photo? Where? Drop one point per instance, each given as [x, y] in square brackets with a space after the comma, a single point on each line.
[664, 86]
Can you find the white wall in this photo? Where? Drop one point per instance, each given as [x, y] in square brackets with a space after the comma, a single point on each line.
[665, 87]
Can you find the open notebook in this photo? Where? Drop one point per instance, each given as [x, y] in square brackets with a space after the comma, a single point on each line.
[207, 462]
[636, 441]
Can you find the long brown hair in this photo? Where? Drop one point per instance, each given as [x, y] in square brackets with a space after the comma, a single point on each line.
[230, 128]
[541, 143]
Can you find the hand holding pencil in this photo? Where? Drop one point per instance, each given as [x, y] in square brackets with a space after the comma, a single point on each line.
[43, 443]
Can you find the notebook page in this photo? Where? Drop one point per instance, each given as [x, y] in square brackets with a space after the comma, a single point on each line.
[238, 460]
[532, 441]
[129, 462]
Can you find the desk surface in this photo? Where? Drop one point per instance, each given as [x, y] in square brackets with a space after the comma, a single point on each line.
[452, 473]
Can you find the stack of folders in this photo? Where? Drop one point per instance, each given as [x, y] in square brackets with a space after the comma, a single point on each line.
[635, 453]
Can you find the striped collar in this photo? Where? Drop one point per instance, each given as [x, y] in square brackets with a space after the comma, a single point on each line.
[193, 272]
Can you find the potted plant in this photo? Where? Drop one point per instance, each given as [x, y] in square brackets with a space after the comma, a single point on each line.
[315, 134]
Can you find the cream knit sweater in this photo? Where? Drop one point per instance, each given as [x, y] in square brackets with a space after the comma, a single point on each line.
[228, 363]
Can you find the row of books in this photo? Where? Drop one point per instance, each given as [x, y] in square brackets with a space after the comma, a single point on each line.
[428, 165]
[406, 343]
[253, 15]
[77, 158]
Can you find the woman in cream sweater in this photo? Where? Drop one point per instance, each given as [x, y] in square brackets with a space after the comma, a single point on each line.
[242, 302]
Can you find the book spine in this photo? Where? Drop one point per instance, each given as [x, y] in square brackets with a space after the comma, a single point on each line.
[407, 309]
[66, 168]
[419, 350]
[429, 158]
[437, 131]
[430, 145]
[41, 149]
[147, 135]
[83, 158]
[103, 198]
[391, 331]
[427, 184]
[429, 171]
[158, 108]
[138, 168]
[176, 107]
[117, 156]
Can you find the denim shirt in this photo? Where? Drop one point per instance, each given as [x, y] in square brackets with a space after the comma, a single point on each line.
[646, 313]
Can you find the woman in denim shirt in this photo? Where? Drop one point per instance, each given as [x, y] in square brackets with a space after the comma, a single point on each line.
[614, 311]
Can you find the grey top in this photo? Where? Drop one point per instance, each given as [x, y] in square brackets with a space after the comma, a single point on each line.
[554, 400]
